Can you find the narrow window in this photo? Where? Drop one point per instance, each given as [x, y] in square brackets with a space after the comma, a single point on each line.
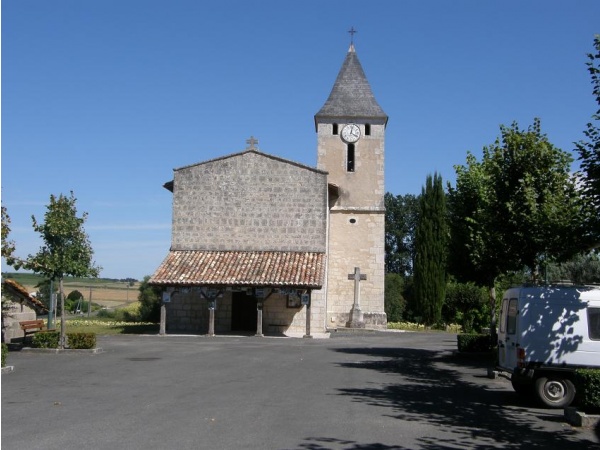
[367, 129]
[511, 318]
[335, 129]
[594, 323]
[350, 158]
[503, 315]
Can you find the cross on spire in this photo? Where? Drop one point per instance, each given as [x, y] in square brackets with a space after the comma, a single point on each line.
[252, 141]
[352, 31]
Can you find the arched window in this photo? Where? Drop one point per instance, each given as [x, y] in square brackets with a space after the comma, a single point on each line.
[335, 129]
[367, 129]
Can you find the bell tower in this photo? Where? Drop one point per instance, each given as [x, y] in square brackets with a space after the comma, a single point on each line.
[350, 144]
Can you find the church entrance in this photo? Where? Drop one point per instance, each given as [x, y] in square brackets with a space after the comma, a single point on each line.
[243, 312]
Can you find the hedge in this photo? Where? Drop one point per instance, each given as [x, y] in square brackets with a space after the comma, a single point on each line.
[4, 354]
[81, 340]
[50, 339]
[587, 387]
[45, 339]
[474, 343]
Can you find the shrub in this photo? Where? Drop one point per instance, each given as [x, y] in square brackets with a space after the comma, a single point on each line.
[46, 339]
[4, 354]
[149, 301]
[394, 301]
[474, 343]
[587, 387]
[106, 314]
[466, 304]
[81, 340]
[407, 326]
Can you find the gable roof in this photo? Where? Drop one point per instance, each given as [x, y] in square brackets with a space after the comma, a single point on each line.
[201, 268]
[18, 291]
[351, 96]
[170, 184]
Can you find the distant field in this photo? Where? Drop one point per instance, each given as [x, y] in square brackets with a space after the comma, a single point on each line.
[109, 293]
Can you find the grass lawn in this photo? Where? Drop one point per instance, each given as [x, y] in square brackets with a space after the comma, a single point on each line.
[105, 327]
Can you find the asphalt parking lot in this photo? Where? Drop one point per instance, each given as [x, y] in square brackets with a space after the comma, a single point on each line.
[371, 391]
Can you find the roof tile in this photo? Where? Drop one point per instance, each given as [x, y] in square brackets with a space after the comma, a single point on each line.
[233, 268]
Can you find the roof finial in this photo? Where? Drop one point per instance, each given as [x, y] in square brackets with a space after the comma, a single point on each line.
[352, 31]
[251, 143]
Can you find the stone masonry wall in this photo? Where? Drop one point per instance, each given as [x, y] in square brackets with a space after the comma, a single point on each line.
[357, 244]
[357, 225]
[249, 202]
[187, 312]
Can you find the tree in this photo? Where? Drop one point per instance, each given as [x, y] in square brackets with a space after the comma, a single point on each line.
[430, 244]
[583, 269]
[73, 301]
[518, 207]
[400, 223]
[536, 197]
[8, 247]
[394, 300]
[44, 292]
[149, 298]
[66, 251]
[589, 155]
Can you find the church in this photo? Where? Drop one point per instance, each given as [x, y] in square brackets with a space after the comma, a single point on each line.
[264, 245]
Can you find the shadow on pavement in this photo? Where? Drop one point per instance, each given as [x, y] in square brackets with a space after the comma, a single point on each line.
[430, 390]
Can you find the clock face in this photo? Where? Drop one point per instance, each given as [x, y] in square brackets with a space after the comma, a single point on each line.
[351, 133]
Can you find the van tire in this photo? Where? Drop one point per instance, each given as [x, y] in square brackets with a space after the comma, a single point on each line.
[554, 391]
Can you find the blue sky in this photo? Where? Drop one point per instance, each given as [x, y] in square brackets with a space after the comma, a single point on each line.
[104, 98]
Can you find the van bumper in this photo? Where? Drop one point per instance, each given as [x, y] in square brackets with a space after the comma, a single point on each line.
[523, 373]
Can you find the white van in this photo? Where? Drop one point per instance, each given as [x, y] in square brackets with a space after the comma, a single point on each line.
[544, 334]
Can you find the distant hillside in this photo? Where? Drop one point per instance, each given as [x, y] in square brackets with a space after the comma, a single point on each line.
[104, 291]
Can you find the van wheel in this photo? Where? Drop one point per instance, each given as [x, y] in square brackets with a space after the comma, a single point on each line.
[554, 392]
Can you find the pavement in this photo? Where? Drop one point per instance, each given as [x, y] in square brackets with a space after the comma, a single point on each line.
[353, 391]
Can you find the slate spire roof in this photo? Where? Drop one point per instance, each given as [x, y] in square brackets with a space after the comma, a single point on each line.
[351, 96]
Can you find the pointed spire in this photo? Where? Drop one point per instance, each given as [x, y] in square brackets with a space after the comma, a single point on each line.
[351, 96]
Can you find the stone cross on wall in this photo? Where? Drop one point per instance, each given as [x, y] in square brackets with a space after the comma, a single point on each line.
[251, 143]
[356, 315]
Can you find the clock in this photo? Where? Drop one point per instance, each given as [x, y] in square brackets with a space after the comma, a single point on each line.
[351, 133]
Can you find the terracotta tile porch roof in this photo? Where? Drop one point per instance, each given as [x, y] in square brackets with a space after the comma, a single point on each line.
[198, 267]
[21, 293]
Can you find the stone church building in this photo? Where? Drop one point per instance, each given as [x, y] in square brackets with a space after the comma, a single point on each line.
[261, 244]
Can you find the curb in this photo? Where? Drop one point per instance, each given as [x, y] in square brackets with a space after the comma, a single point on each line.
[580, 419]
[8, 369]
[91, 351]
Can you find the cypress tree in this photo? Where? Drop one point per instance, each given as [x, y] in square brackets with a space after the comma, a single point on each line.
[430, 244]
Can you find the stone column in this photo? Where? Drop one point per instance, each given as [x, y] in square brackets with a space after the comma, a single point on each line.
[259, 319]
[211, 317]
[308, 335]
[163, 319]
